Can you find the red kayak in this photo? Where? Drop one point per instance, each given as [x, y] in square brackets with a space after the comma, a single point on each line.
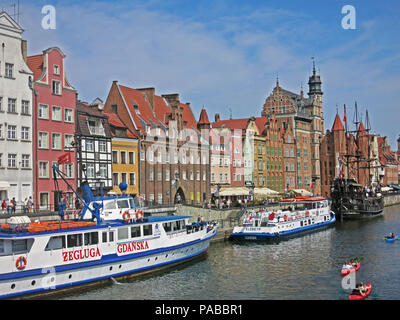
[360, 297]
[345, 272]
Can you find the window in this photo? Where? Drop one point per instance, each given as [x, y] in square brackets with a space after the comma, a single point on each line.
[1, 104]
[43, 111]
[74, 240]
[68, 140]
[123, 157]
[135, 232]
[1, 160]
[25, 163]
[102, 146]
[115, 179]
[43, 169]
[122, 233]
[56, 88]
[55, 243]
[91, 238]
[56, 113]
[90, 170]
[160, 198]
[167, 175]
[25, 133]
[12, 132]
[132, 179]
[12, 105]
[12, 160]
[25, 107]
[56, 70]
[19, 246]
[90, 145]
[69, 115]
[115, 156]
[43, 200]
[147, 230]
[131, 158]
[56, 141]
[9, 70]
[69, 170]
[103, 170]
[151, 175]
[123, 177]
[159, 175]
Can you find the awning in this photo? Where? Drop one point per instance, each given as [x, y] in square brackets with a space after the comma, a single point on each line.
[4, 185]
[264, 192]
[238, 191]
[302, 192]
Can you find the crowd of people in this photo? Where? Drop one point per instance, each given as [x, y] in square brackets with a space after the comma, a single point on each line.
[10, 206]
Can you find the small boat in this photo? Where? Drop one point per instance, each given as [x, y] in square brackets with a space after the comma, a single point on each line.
[360, 297]
[298, 215]
[346, 271]
[388, 239]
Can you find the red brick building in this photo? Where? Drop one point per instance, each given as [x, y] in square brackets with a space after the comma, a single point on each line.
[305, 116]
[173, 156]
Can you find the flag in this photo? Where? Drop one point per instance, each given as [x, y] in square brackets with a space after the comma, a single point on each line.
[65, 158]
[344, 117]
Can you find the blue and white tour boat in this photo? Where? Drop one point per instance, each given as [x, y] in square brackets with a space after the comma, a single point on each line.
[111, 238]
[298, 215]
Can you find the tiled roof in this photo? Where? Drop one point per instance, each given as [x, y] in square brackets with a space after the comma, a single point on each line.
[204, 117]
[337, 124]
[35, 63]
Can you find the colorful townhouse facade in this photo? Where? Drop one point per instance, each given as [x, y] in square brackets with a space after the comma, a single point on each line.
[93, 147]
[16, 114]
[125, 157]
[54, 128]
[305, 115]
[173, 156]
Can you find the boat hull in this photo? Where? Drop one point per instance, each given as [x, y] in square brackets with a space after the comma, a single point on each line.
[49, 281]
[265, 236]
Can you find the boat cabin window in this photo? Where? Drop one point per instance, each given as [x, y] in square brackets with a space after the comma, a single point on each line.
[135, 232]
[110, 205]
[91, 238]
[148, 230]
[123, 204]
[122, 233]
[134, 203]
[74, 240]
[110, 236]
[167, 226]
[55, 243]
[1, 247]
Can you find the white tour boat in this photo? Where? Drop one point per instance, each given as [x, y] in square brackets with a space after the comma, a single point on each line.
[301, 214]
[111, 239]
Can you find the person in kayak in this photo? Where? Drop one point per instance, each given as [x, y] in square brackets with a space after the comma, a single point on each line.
[391, 235]
[360, 289]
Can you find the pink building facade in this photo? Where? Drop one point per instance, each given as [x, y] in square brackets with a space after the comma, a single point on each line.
[54, 127]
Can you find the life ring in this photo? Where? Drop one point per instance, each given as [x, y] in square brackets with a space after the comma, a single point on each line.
[139, 214]
[126, 216]
[307, 213]
[20, 263]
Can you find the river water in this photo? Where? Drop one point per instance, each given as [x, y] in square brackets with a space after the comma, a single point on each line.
[306, 267]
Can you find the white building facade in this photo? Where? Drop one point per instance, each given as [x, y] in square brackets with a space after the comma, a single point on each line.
[16, 124]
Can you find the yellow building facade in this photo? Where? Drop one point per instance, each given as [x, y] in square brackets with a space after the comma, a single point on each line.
[125, 165]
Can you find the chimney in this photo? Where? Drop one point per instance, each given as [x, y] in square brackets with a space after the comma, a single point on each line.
[24, 49]
[217, 117]
[172, 99]
[149, 96]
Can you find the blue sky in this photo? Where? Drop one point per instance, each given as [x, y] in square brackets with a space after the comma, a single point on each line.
[226, 55]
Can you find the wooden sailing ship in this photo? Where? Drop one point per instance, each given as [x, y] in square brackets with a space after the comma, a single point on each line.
[350, 198]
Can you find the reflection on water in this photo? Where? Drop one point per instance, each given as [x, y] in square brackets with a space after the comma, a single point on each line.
[306, 267]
